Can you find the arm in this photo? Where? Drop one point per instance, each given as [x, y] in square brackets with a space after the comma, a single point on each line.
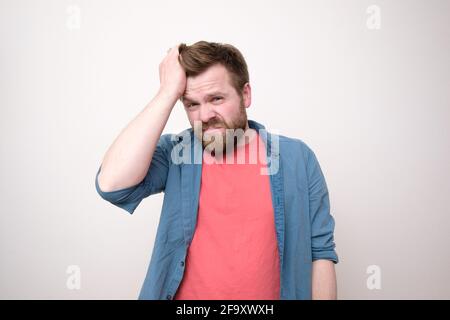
[128, 159]
[324, 280]
[322, 233]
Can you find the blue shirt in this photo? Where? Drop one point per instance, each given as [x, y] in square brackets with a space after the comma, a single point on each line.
[303, 223]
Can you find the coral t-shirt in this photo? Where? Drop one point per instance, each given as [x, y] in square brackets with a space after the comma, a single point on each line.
[234, 253]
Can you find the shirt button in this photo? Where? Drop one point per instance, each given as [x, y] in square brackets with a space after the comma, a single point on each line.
[182, 263]
[169, 297]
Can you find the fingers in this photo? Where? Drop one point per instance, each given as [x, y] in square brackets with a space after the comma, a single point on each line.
[174, 48]
[174, 52]
[170, 50]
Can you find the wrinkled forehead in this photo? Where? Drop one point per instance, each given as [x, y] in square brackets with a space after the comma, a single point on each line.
[214, 79]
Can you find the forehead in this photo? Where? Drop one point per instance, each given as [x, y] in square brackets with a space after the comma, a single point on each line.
[215, 78]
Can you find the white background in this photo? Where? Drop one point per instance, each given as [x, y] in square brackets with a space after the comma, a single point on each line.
[373, 104]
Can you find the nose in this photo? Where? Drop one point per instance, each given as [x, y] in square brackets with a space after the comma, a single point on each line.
[206, 112]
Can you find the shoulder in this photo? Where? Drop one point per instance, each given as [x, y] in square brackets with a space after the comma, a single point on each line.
[298, 156]
[294, 148]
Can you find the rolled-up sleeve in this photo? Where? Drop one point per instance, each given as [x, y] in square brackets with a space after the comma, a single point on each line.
[154, 181]
[322, 222]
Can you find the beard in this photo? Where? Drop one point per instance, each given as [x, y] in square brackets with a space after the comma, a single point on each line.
[225, 139]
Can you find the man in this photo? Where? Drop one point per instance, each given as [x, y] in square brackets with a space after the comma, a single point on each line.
[235, 223]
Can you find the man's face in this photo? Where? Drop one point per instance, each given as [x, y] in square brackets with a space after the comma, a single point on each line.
[213, 106]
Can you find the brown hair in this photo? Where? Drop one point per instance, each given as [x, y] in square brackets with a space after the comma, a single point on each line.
[198, 57]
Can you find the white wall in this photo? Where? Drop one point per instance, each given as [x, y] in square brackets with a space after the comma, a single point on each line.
[374, 105]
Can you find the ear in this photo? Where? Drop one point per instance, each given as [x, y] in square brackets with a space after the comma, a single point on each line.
[247, 95]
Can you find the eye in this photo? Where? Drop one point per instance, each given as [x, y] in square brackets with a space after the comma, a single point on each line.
[191, 105]
[217, 98]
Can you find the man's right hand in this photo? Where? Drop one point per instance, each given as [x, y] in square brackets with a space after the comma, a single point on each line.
[172, 76]
[127, 161]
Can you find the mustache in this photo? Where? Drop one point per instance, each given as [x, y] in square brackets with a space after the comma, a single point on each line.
[213, 125]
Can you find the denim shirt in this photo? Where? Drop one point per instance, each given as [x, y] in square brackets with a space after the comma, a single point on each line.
[303, 223]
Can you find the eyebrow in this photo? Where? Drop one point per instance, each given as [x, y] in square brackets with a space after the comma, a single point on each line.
[209, 95]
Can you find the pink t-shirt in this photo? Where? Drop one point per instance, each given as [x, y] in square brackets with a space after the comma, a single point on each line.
[234, 253]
